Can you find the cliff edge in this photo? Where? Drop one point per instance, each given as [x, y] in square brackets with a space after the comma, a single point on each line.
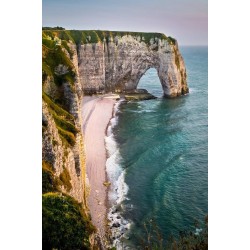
[75, 63]
[110, 61]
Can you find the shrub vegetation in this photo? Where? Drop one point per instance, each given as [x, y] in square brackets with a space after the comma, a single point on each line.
[50, 183]
[95, 36]
[68, 136]
[53, 55]
[53, 28]
[65, 178]
[65, 226]
[64, 121]
[56, 108]
[64, 124]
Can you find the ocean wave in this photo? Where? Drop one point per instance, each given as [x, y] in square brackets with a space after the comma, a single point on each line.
[118, 188]
[192, 90]
[142, 111]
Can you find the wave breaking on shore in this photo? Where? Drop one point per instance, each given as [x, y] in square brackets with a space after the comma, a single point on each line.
[118, 189]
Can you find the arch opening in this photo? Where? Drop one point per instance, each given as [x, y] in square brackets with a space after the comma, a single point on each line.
[151, 82]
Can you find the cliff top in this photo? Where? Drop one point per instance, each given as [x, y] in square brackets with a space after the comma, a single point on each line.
[95, 36]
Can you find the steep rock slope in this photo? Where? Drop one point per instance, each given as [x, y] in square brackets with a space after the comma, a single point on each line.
[62, 137]
[85, 62]
[115, 61]
[66, 222]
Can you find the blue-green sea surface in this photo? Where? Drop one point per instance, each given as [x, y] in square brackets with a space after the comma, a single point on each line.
[163, 152]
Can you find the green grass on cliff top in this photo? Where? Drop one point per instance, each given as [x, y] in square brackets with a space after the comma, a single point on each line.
[54, 55]
[95, 36]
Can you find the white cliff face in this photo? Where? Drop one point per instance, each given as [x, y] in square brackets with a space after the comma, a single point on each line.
[60, 156]
[55, 152]
[113, 65]
[118, 65]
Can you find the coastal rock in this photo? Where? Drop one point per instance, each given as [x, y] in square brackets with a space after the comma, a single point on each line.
[60, 157]
[117, 224]
[119, 65]
[106, 184]
[137, 95]
[55, 152]
[95, 65]
[61, 69]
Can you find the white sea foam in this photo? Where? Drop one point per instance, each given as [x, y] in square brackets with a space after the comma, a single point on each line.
[198, 231]
[118, 188]
[193, 90]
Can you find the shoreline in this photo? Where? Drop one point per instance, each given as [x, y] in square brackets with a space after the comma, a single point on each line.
[97, 111]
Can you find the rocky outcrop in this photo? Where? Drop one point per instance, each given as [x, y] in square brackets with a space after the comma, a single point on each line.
[57, 151]
[86, 62]
[119, 64]
[62, 157]
[137, 95]
[108, 61]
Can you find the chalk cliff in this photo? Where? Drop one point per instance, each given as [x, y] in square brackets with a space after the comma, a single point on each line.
[115, 61]
[86, 62]
[119, 64]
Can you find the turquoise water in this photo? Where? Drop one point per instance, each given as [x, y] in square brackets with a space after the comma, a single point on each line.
[163, 150]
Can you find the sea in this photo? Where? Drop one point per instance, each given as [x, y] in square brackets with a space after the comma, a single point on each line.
[158, 159]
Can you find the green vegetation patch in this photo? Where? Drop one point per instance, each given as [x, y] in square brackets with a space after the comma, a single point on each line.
[47, 166]
[51, 44]
[65, 45]
[68, 136]
[171, 40]
[65, 36]
[65, 178]
[53, 28]
[48, 33]
[92, 36]
[50, 183]
[64, 224]
[58, 110]
[177, 61]
[102, 34]
[78, 36]
[95, 36]
[62, 123]
[53, 55]
[46, 71]
[144, 36]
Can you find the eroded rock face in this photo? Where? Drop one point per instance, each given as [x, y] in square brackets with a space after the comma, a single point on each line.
[118, 65]
[114, 64]
[60, 157]
[55, 152]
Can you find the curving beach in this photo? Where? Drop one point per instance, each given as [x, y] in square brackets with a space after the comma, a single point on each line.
[96, 114]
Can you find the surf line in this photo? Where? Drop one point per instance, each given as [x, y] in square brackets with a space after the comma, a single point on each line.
[118, 226]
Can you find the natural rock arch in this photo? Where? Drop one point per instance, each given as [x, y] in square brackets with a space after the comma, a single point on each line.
[144, 82]
[118, 66]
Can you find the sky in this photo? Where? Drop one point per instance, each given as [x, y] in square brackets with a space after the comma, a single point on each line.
[185, 20]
